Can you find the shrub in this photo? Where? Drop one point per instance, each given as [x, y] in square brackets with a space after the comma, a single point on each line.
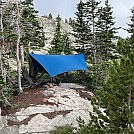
[62, 130]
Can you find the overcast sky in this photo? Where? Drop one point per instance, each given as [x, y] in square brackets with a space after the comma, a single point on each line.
[67, 8]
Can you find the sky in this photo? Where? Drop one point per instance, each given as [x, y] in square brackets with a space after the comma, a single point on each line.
[67, 8]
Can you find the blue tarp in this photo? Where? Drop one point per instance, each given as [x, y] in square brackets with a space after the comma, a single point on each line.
[57, 64]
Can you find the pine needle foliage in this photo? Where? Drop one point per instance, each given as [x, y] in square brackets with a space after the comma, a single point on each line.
[131, 27]
[5, 93]
[57, 42]
[105, 31]
[62, 130]
[113, 105]
[80, 29]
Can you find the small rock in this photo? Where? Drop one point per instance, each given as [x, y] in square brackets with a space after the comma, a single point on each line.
[74, 131]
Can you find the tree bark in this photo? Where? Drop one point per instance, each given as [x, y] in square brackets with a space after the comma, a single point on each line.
[7, 103]
[29, 47]
[94, 48]
[17, 49]
[24, 70]
[129, 106]
[1, 46]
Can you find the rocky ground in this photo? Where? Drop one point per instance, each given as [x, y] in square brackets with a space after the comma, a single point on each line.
[49, 26]
[42, 109]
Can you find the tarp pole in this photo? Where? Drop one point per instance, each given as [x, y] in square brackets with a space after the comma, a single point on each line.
[51, 79]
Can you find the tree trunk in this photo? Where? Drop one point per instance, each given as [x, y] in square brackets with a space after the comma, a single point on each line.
[17, 49]
[129, 107]
[10, 81]
[29, 47]
[24, 70]
[94, 50]
[7, 103]
[1, 46]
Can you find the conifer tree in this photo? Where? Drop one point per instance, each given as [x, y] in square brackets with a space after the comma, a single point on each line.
[105, 32]
[11, 33]
[114, 104]
[31, 30]
[66, 21]
[80, 29]
[21, 27]
[131, 27]
[7, 18]
[57, 42]
[50, 16]
[71, 22]
[7, 41]
[91, 10]
[67, 49]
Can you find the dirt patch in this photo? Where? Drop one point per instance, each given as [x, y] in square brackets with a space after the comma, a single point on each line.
[30, 97]
[65, 96]
[25, 121]
[49, 115]
[51, 103]
[36, 96]
[83, 93]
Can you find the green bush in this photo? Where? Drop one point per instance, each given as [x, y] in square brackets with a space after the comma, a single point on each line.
[5, 91]
[62, 130]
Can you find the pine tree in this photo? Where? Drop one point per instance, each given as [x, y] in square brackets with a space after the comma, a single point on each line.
[31, 30]
[57, 42]
[91, 11]
[131, 27]
[7, 18]
[105, 32]
[11, 15]
[68, 49]
[71, 22]
[21, 28]
[50, 16]
[66, 21]
[80, 29]
[114, 104]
